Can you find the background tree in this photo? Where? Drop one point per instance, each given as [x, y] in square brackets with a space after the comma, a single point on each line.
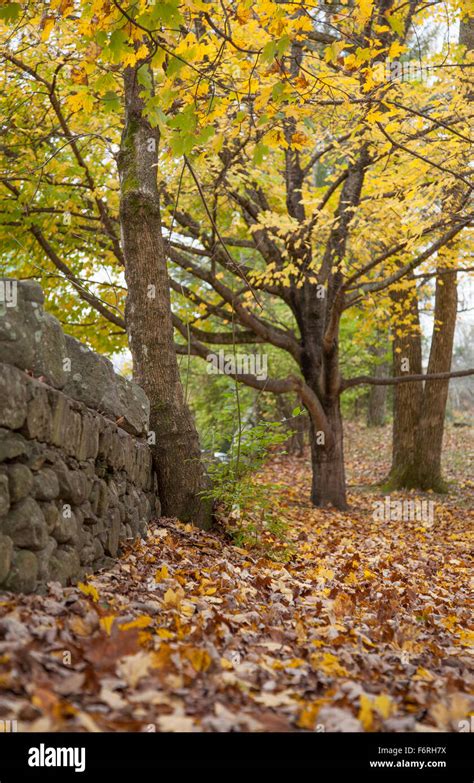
[419, 409]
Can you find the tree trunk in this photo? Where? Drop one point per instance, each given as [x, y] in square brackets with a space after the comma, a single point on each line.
[418, 415]
[407, 397]
[296, 424]
[377, 402]
[431, 426]
[419, 411]
[177, 454]
[329, 481]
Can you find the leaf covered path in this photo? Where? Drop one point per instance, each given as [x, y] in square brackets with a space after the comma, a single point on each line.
[364, 628]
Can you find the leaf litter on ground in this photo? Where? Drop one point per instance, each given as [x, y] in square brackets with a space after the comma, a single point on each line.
[367, 625]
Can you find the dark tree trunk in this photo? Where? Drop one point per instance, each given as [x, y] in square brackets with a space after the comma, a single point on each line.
[297, 425]
[418, 415]
[407, 397]
[431, 426]
[329, 482]
[148, 315]
[377, 401]
[419, 410]
[320, 368]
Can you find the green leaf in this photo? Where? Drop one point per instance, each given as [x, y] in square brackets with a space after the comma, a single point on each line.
[144, 77]
[269, 51]
[396, 23]
[10, 12]
[206, 134]
[116, 42]
[283, 44]
[259, 153]
[111, 101]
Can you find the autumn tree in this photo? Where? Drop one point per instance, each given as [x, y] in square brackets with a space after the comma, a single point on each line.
[267, 152]
[419, 408]
[321, 226]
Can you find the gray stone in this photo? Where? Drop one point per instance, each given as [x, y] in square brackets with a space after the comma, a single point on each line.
[134, 407]
[12, 397]
[44, 559]
[74, 430]
[93, 381]
[11, 445]
[78, 449]
[17, 329]
[87, 553]
[92, 378]
[38, 422]
[20, 481]
[73, 485]
[64, 565]
[26, 525]
[4, 495]
[89, 439]
[103, 501]
[65, 530]
[46, 484]
[38, 455]
[61, 413]
[51, 515]
[6, 552]
[31, 291]
[49, 359]
[113, 533]
[94, 496]
[98, 549]
[144, 506]
[31, 339]
[23, 574]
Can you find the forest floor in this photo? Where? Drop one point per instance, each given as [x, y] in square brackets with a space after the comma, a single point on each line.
[338, 623]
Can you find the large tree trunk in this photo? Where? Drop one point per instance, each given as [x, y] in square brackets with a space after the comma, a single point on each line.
[407, 397]
[328, 486]
[419, 411]
[418, 415]
[377, 402]
[431, 425]
[320, 367]
[148, 315]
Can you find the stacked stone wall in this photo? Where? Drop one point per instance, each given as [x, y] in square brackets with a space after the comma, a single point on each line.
[76, 474]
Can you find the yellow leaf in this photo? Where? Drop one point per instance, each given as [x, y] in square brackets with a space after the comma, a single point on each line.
[172, 598]
[48, 26]
[141, 622]
[328, 663]
[163, 633]
[107, 622]
[396, 48]
[384, 705]
[79, 101]
[161, 574]
[307, 717]
[88, 590]
[365, 715]
[199, 659]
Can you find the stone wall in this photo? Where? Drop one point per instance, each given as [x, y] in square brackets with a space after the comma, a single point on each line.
[76, 476]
